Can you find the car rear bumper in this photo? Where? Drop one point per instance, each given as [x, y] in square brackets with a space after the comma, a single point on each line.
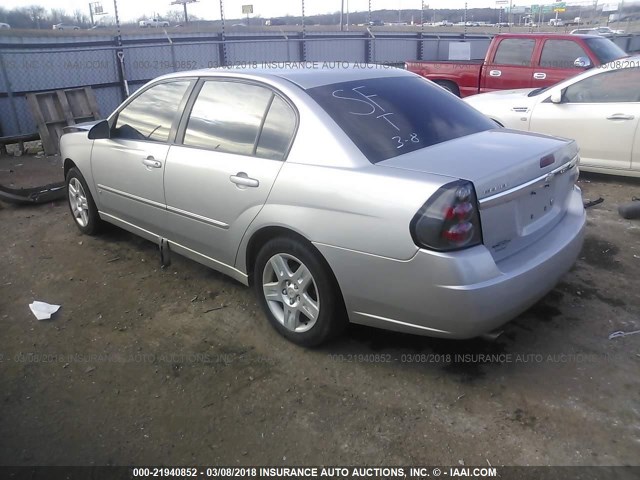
[458, 295]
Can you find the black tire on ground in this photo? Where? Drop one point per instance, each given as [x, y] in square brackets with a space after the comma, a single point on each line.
[331, 318]
[77, 188]
[450, 86]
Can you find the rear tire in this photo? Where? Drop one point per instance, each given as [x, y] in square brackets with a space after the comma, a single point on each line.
[449, 86]
[298, 292]
[83, 208]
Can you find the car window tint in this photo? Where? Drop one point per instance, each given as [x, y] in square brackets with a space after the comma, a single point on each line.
[226, 117]
[277, 131]
[387, 117]
[608, 87]
[150, 115]
[560, 54]
[515, 51]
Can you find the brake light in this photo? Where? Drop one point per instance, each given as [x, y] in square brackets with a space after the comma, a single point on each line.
[449, 220]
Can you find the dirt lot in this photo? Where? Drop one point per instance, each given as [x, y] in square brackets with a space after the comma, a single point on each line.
[178, 366]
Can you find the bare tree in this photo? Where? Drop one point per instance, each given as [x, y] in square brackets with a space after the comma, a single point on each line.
[56, 15]
[37, 14]
[80, 17]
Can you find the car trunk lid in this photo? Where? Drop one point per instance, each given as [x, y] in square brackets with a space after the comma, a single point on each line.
[522, 181]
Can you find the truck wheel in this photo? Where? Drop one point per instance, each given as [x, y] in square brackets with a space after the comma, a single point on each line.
[450, 86]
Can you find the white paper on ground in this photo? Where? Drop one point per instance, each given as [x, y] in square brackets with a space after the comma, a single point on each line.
[42, 310]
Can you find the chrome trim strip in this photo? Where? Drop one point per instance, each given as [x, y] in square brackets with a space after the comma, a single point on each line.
[398, 322]
[515, 192]
[132, 197]
[200, 218]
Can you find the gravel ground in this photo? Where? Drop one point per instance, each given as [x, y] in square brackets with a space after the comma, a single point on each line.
[144, 365]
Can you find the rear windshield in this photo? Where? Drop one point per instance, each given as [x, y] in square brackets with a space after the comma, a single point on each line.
[387, 117]
[605, 49]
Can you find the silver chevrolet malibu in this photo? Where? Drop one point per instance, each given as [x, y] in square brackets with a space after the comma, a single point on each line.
[360, 193]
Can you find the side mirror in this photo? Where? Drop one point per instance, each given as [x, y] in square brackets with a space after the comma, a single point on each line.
[582, 62]
[100, 130]
[556, 97]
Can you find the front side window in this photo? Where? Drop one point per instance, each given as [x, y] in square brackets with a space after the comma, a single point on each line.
[609, 87]
[227, 116]
[561, 54]
[515, 51]
[391, 116]
[150, 115]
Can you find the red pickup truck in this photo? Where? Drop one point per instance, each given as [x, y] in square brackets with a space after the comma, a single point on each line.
[521, 61]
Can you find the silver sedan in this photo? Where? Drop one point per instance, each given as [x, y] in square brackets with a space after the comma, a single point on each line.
[340, 193]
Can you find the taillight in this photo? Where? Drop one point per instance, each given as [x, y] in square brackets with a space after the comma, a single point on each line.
[449, 220]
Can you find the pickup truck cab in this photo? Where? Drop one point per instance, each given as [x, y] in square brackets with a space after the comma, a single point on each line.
[153, 23]
[530, 60]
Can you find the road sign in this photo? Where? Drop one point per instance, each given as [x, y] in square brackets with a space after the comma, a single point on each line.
[247, 9]
[559, 7]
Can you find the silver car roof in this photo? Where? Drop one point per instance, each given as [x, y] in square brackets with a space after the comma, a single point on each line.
[304, 74]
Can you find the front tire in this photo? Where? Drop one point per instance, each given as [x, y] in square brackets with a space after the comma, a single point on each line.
[298, 292]
[83, 208]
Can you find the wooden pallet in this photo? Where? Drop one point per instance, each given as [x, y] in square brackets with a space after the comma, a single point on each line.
[57, 109]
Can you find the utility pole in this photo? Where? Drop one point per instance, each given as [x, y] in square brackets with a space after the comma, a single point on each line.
[341, 15]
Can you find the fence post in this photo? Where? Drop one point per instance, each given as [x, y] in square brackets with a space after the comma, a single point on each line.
[222, 46]
[303, 43]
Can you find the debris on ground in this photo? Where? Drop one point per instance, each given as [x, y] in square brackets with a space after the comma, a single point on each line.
[42, 194]
[592, 203]
[622, 334]
[631, 209]
[43, 310]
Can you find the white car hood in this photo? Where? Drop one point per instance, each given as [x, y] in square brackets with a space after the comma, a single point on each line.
[518, 98]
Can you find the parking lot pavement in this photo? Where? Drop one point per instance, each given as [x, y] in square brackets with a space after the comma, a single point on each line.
[144, 365]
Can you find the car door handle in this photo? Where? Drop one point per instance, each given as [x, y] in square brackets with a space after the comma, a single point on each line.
[151, 162]
[495, 73]
[539, 75]
[242, 180]
[620, 116]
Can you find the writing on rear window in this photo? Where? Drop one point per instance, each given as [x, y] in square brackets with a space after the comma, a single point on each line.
[391, 116]
[366, 105]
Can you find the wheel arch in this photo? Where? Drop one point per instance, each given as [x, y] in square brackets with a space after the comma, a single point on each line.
[68, 164]
[260, 237]
[449, 85]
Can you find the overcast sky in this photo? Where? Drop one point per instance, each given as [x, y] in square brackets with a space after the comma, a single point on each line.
[210, 9]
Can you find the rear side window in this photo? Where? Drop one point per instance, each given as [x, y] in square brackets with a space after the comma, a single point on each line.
[515, 51]
[605, 49]
[561, 54]
[277, 131]
[387, 117]
[226, 117]
[150, 115]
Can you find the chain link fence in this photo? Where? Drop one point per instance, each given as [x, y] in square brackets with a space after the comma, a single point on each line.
[113, 70]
